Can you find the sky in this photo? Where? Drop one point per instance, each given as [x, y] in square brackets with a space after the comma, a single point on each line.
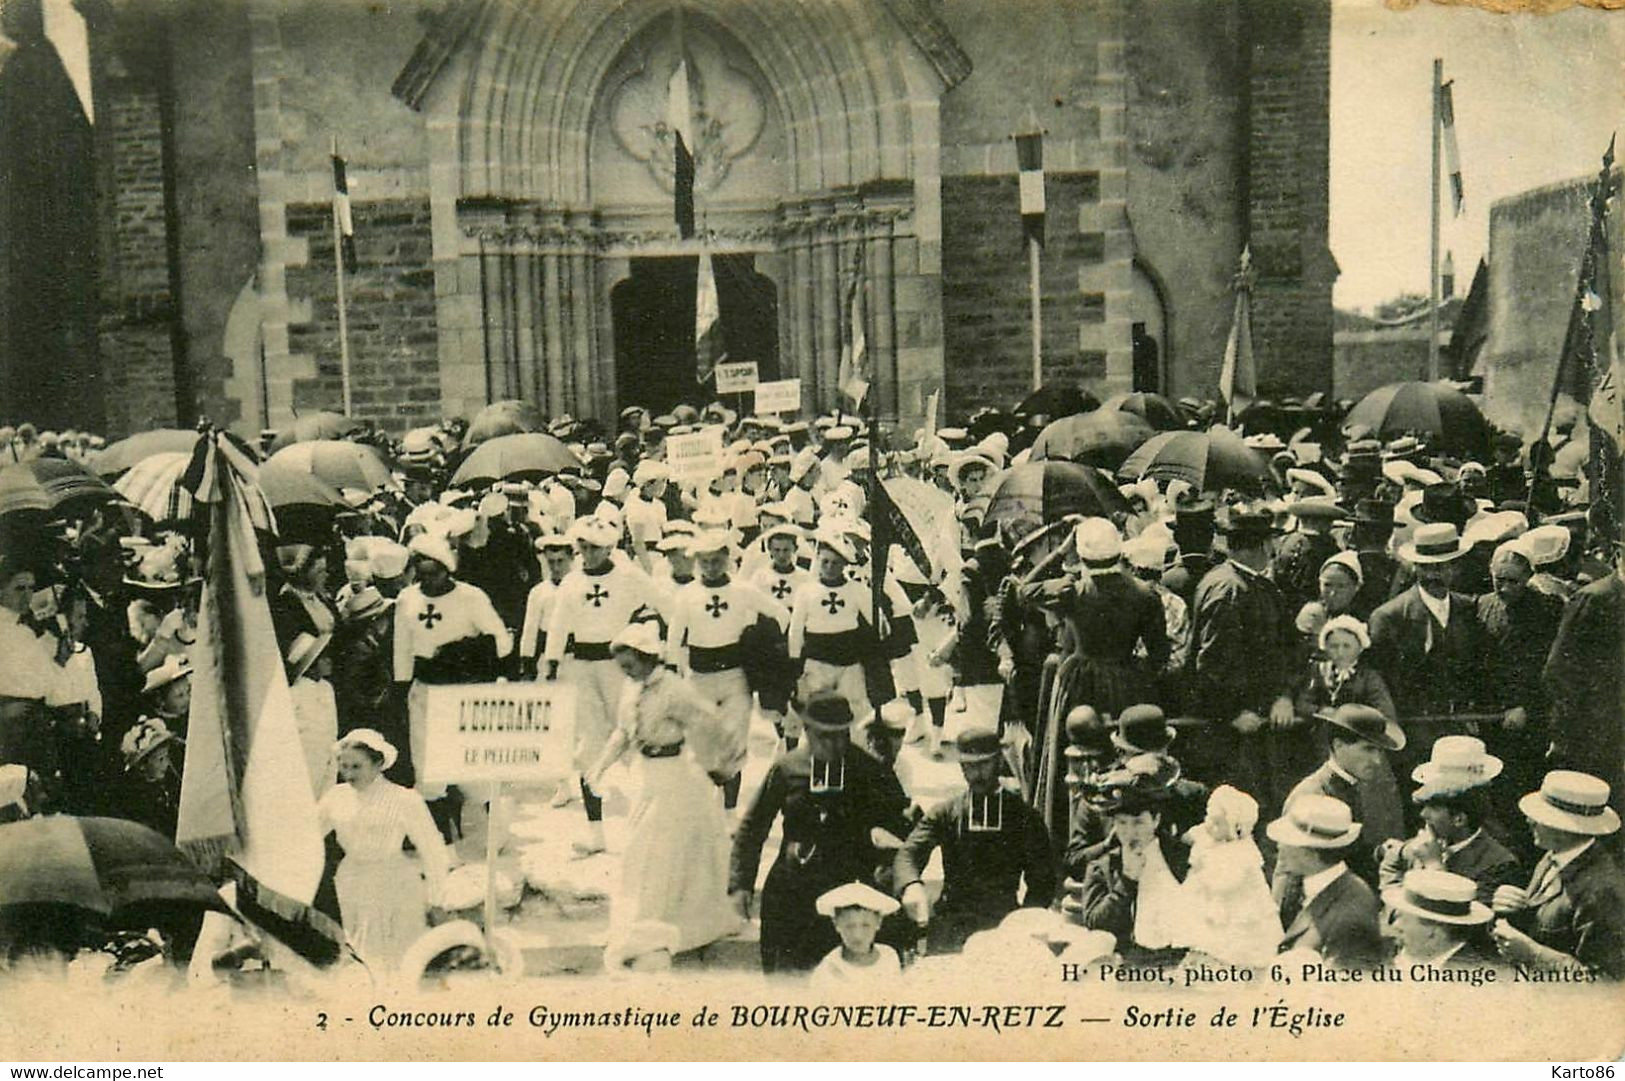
[1536, 98]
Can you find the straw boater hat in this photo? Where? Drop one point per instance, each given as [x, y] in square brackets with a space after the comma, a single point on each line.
[594, 530]
[1433, 542]
[1439, 897]
[1457, 764]
[1572, 802]
[175, 666]
[370, 738]
[855, 895]
[642, 636]
[1315, 821]
[1366, 722]
[365, 603]
[1313, 479]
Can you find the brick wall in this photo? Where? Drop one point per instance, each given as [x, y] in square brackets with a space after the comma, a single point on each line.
[1286, 179]
[985, 307]
[136, 327]
[394, 365]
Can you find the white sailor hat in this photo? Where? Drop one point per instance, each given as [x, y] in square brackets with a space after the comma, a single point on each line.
[855, 895]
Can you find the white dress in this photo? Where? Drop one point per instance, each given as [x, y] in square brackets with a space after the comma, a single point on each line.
[1227, 910]
[382, 893]
[675, 869]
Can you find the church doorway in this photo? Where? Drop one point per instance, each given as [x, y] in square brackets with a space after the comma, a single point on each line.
[653, 311]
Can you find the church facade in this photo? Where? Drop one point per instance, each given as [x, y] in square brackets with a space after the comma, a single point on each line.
[511, 182]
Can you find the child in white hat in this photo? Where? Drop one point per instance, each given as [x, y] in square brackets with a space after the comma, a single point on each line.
[858, 961]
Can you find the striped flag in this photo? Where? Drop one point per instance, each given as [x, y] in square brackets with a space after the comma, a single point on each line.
[1030, 170]
[341, 214]
[680, 121]
[239, 800]
[1452, 156]
[707, 321]
[1238, 379]
[854, 373]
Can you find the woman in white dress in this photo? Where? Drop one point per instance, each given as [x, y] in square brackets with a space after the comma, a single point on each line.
[675, 869]
[385, 897]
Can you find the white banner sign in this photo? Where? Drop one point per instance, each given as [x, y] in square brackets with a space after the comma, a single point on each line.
[781, 396]
[696, 455]
[497, 732]
[736, 378]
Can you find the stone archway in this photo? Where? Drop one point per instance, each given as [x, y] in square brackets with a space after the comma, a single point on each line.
[545, 177]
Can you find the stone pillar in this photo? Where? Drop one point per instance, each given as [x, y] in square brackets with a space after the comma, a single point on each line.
[882, 321]
[527, 340]
[582, 337]
[827, 288]
[553, 321]
[805, 295]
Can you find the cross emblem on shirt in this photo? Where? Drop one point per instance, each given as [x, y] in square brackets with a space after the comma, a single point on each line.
[781, 589]
[429, 617]
[833, 603]
[716, 606]
[597, 595]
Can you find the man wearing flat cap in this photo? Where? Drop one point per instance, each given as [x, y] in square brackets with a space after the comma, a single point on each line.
[992, 844]
[832, 798]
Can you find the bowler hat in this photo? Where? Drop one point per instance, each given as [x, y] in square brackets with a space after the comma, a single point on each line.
[1142, 728]
[827, 711]
[978, 743]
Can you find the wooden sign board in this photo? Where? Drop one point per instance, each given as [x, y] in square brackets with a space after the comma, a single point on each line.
[496, 732]
[779, 396]
[696, 455]
[736, 378]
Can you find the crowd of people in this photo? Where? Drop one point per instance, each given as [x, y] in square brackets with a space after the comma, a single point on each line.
[1371, 710]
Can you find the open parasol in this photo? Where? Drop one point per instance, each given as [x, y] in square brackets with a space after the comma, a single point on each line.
[154, 485]
[508, 417]
[121, 870]
[1209, 461]
[1056, 400]
[1154, 409]
[115, 458]
[521, 456]
[1049, 491]
[336, 462]
[1102, 438]
[312, 426]
[1445, 416]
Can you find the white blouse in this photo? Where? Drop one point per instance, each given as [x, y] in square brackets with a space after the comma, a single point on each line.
[372, 822]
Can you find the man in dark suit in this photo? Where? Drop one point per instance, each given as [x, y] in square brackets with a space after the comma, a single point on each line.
[1335, 914]
[1357, 773]
[1571, 918]
[1427, 641]
[1453, 795]
[1439, 923]
[1585, 684]
[1193, 534]
[1240, 666]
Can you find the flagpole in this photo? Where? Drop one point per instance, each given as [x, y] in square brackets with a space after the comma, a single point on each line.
[1433, 239]
[1036, 300]
[344, 317]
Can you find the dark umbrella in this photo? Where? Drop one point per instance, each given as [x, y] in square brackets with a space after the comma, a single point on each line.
[1050, 491]
[316, 426]
[1445, 416]
[117, 457]
[1208, 461]
[1154, 409]
[118, 869]
[1056, 400]
[1102, 438]
[66, 481]
[508, 417]
[522, 456]
[20, 490]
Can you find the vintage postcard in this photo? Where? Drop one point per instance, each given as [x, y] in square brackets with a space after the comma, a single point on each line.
[811, 529]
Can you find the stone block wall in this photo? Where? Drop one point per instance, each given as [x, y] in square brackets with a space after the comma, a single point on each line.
[394, 357]
[985, 296]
